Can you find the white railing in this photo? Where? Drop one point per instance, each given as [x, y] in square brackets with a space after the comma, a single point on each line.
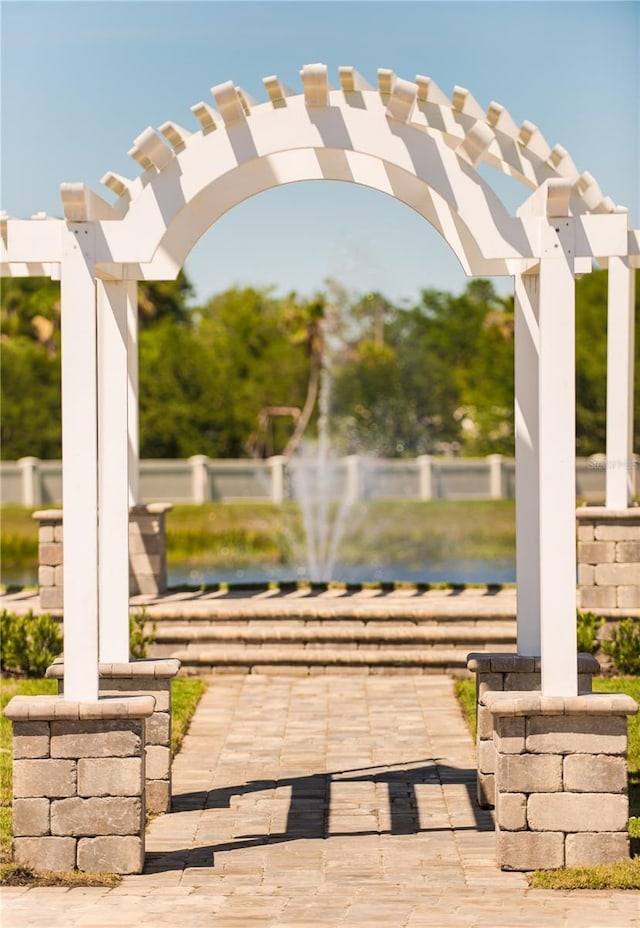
[199, 479]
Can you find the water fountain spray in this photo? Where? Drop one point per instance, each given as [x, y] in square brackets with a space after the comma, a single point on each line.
[319, 484]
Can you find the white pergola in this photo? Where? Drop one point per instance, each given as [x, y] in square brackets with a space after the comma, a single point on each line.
[406, 139]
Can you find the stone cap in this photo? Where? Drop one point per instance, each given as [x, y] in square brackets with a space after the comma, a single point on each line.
[142, 509]
[49, 708]
[531, 703]
[47, 515]
[146, 667]
[602, 514]
[501, 662]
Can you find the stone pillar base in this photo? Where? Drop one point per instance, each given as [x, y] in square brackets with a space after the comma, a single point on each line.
[143, 678]
[78, 783]
[561, 778]
[504, 672]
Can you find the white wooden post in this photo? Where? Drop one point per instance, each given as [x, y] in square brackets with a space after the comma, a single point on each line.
[80, 462]
[31, 481]
[495, 475]
[113, 455]
[276, 463]
[425, 465]
[133, 399]
[620, 348]
[199, 478]
[556, 425]
[353, 479]
[527, 354]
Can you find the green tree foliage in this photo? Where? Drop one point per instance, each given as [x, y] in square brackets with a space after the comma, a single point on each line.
[262, 360]
[30, 327]
[203, 385]
[30, 339]
[30, 307]
[591, 362]
[485, 372]
[440, 376]
[30, 422]
[427, 378]
[159, 300]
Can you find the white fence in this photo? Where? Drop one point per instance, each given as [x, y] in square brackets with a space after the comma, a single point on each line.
[32, 482]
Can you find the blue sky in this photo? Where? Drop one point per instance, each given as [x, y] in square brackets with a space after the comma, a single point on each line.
[79, 80]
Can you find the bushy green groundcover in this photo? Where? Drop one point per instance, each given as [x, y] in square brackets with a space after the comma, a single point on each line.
[185, 694]
[624, 874]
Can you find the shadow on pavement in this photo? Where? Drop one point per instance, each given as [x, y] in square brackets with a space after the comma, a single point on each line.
[310, 807]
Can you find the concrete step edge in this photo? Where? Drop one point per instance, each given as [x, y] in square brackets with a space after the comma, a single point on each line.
[304, 613]
[358, 657]
[244, 634]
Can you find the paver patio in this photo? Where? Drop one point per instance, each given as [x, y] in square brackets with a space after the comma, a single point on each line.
[330, 800]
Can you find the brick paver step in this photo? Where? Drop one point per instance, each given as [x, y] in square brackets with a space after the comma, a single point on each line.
[304, 634]
[467, 605]
[212, 657]
[311, 641]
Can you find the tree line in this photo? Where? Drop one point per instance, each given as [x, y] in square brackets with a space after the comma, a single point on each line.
[241, 374]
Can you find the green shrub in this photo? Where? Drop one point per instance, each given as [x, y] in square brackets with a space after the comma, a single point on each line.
[624, 646]
[29, 642]
[589, 624]
[139, 642]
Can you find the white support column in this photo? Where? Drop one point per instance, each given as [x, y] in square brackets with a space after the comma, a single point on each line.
[556, 318]
[527, 463]
[80, 462]
[113, 459]
[133, 393]
[620, 348]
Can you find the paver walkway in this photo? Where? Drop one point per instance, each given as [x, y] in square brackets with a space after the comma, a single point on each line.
[329, 801]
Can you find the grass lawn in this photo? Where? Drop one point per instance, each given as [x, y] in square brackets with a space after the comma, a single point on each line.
[624, 874]
[185, 694]
[237, 534]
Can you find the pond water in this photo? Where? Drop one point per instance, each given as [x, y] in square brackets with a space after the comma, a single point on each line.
[445, 571]
[451, 570]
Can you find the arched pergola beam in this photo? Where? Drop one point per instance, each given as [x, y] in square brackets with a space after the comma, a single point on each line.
[247, 159]
[455, 124]
[460, 124]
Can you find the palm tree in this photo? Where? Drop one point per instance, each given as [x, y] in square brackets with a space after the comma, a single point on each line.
[308, 322]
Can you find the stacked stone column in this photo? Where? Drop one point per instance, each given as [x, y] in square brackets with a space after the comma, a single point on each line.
[148, 549]
[50, 579]
[500, 672]
[147, 553]
[560, 778]
[609, 560]
[78, 783]
[138, 678]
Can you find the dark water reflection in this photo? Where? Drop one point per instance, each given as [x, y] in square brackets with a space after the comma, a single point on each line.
[451, 570]
[470, 570]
